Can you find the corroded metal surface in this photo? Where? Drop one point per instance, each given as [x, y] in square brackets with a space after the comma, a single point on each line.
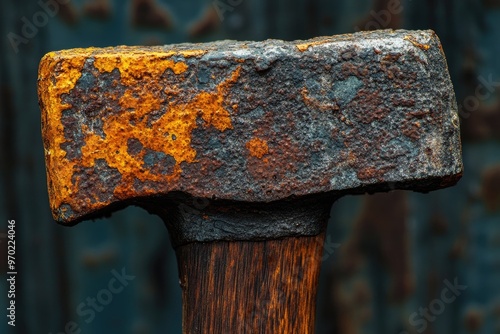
[247, 121]
[223, 220]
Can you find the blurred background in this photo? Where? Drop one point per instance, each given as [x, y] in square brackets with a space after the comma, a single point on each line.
[399, 263]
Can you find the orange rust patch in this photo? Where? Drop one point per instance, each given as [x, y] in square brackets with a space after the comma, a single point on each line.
[133, 66]
[304, 46]
[51, 90]
[140, 72]
[412, 40]
[257, 147]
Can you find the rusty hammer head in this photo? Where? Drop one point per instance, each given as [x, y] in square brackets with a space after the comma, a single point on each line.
[247, 121]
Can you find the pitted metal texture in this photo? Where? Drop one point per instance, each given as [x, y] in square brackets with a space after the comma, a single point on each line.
[247, 121]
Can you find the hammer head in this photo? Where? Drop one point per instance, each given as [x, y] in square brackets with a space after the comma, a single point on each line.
[247, 121]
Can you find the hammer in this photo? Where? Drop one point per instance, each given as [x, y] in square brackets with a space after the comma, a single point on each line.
[241, 148]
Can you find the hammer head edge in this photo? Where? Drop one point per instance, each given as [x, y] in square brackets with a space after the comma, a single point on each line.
[247, 121]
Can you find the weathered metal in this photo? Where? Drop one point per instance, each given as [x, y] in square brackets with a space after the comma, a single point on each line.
[233, 221]
[247, 121]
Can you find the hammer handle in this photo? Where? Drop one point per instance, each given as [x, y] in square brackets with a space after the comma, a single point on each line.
[250, 286]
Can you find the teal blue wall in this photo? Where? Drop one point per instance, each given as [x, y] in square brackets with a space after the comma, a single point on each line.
[387, 256]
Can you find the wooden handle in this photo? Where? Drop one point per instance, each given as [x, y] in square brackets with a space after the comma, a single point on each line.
[250, 286]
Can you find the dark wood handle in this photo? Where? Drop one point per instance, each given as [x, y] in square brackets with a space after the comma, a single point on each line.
[250, 286]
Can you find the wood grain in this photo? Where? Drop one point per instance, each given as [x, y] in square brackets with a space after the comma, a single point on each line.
[250, 287]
